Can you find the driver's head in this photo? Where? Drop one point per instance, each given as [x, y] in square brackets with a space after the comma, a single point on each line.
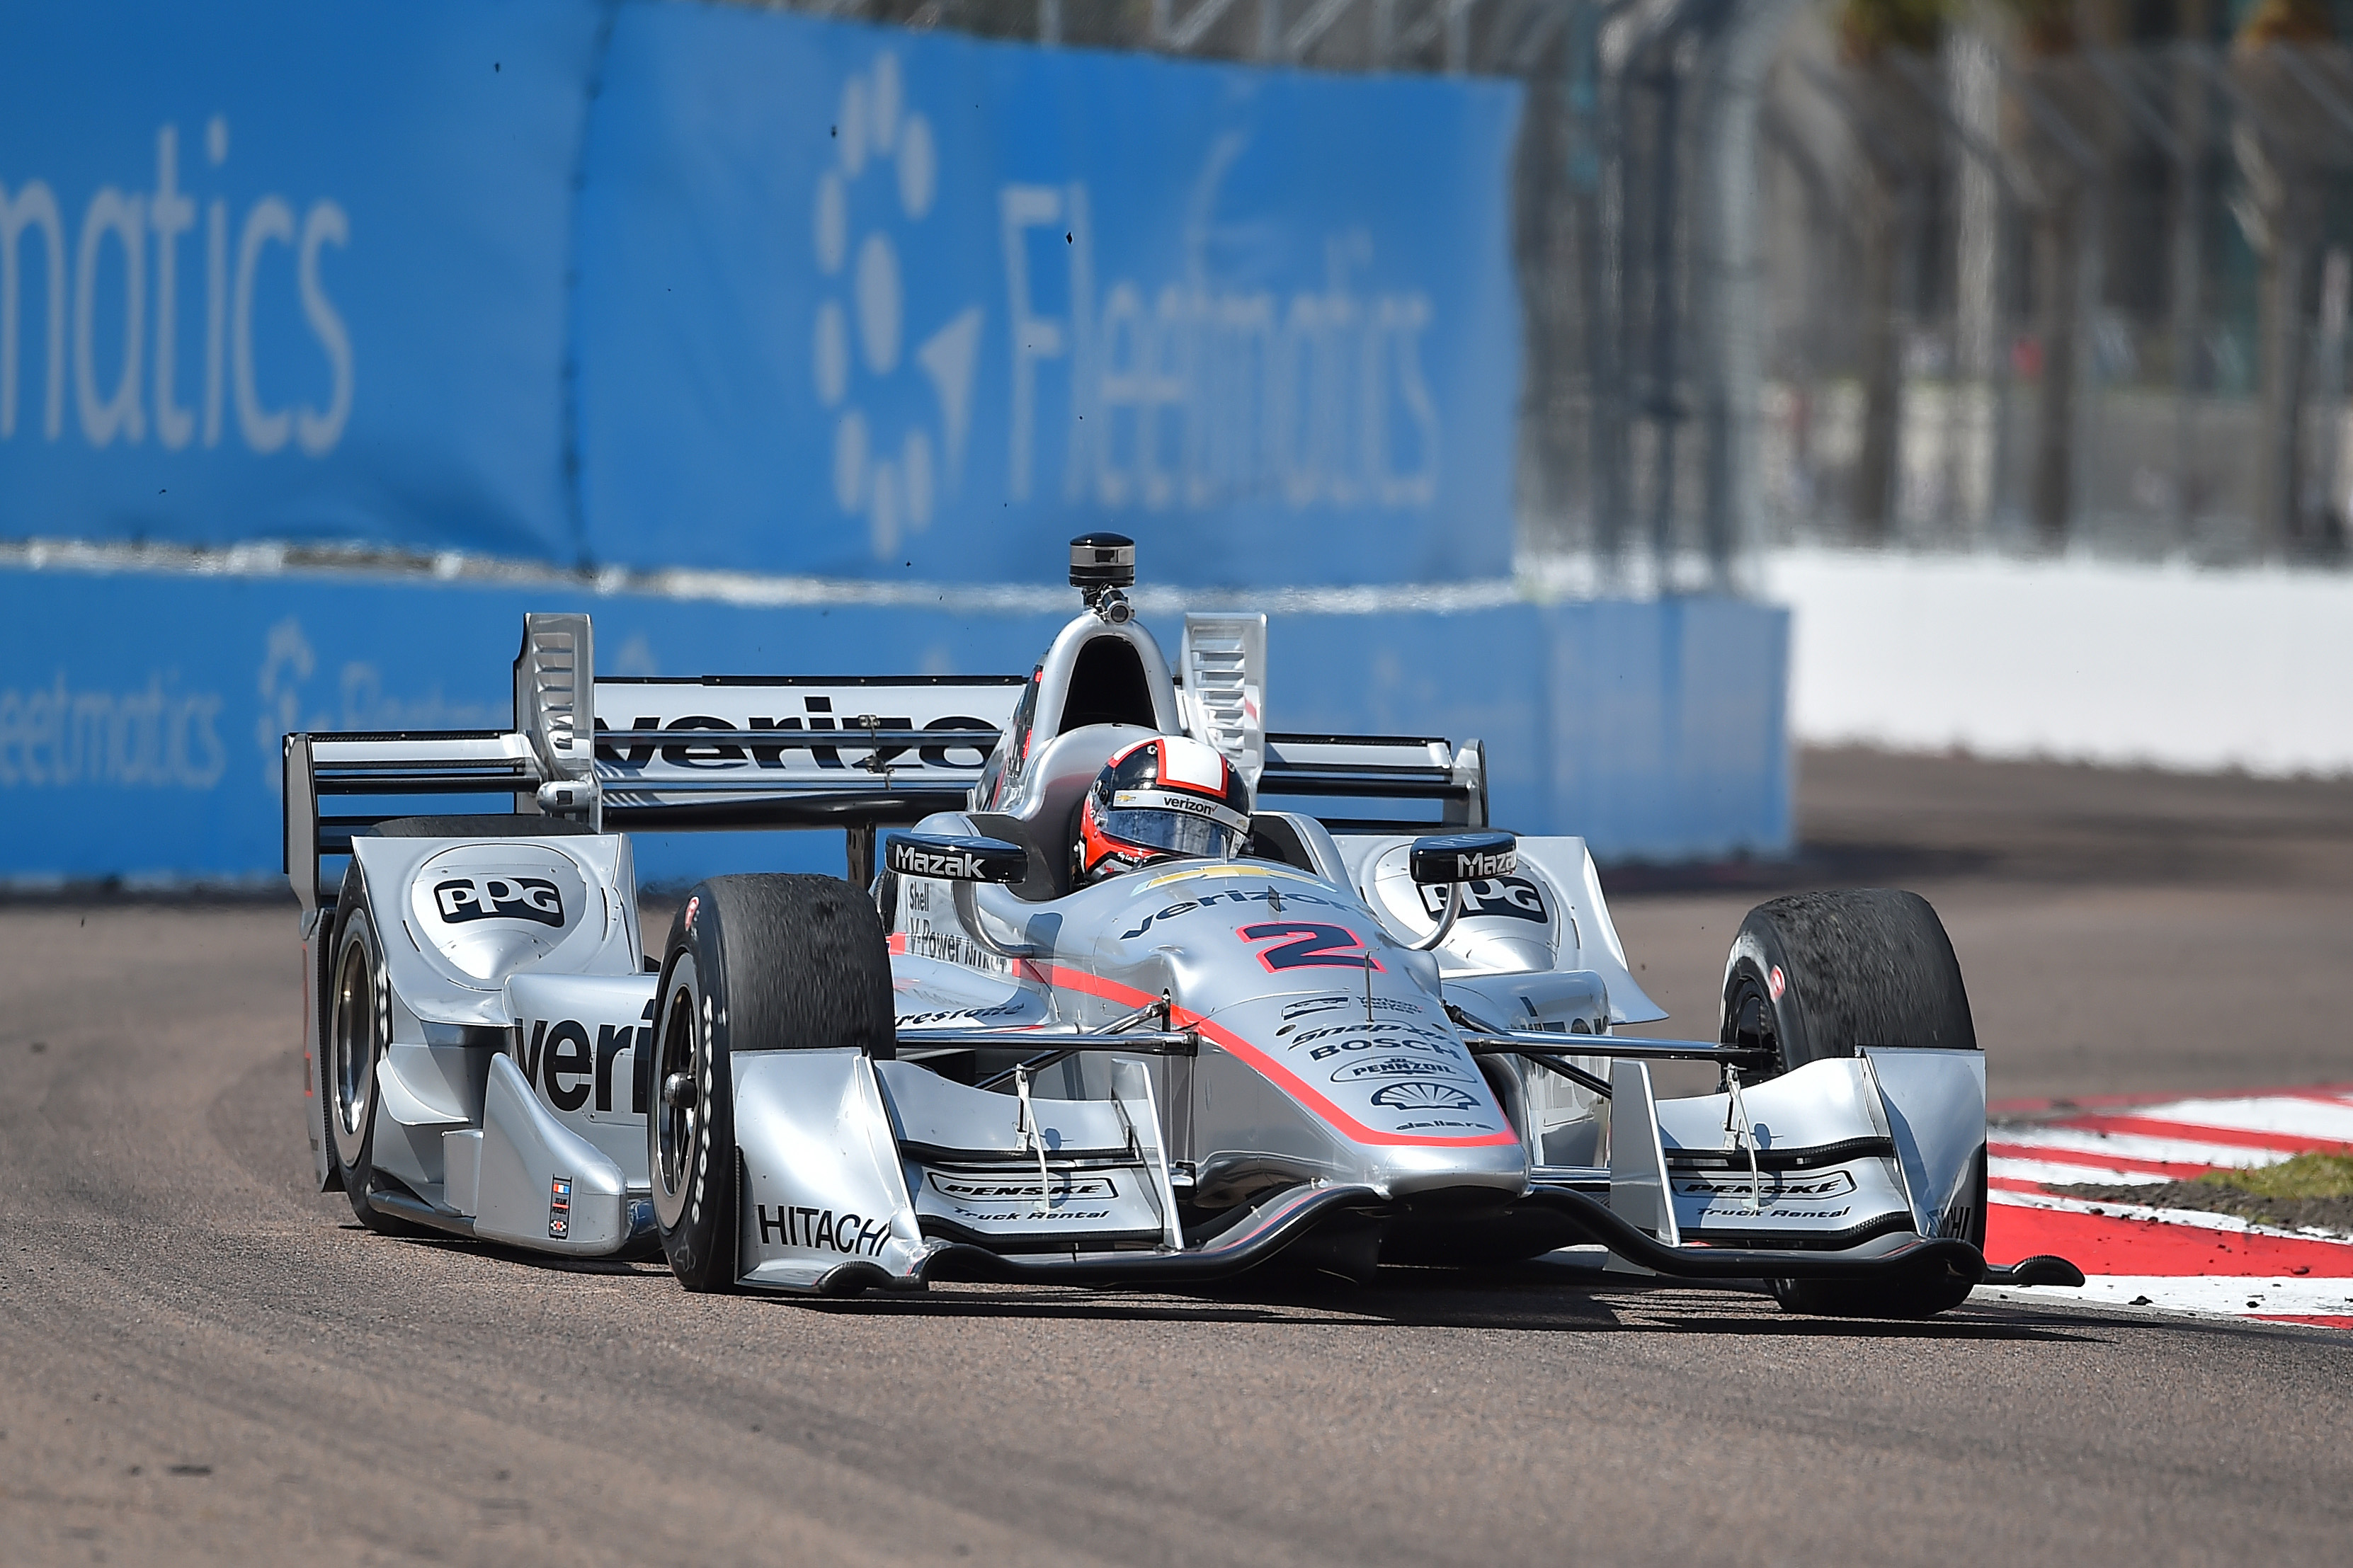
[1157, 800]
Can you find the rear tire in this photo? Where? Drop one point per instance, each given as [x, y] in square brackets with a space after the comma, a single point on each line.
[1813, 977]
[359, 1023]
[753, 964]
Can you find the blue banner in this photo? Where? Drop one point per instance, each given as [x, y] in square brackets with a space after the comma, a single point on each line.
[860, 301]
[289, 271]
[667, 284]
[139, 714]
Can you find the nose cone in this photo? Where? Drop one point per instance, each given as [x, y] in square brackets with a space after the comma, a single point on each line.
[1327, 1047]
[1403, 1104]
[1473, 1176]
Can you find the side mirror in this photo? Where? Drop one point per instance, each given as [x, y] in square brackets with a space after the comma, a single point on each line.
[1451, 859]
[1442, 857]
[957, 859]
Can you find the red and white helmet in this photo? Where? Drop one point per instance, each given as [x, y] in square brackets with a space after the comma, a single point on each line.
[1159, 799]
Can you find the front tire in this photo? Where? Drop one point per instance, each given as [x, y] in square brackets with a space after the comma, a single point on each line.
[753, 964]
[1815, 975]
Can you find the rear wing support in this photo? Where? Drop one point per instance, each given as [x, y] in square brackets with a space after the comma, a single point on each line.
[555, 709]
[1222, 668]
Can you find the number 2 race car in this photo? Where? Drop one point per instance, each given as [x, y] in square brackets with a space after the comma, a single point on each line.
[1333, 1040]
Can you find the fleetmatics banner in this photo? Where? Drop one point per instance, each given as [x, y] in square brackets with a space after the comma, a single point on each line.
[674, 285]
[140, 714]
[289, 270]
[862, 301]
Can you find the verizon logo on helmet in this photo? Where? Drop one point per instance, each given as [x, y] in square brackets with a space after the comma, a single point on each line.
[1191, 805]
[1470, 866]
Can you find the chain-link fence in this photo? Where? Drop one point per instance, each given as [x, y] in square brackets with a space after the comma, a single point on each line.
[2089, 298]
[1634, 228]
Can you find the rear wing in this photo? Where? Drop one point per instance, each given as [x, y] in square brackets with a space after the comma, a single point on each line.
[853, 754]
[1330, 769]
[857, 754]
[850, 752]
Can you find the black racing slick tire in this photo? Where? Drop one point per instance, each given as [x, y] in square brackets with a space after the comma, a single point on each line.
[359, 1024]
[1813, 977]
[753, 964]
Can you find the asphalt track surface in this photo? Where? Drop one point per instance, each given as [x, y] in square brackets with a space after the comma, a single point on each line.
[201, 1360]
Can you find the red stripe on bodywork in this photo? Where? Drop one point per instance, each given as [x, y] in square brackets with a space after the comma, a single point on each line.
[1266, 1066]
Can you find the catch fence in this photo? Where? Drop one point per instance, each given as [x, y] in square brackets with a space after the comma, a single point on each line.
[2094, 300]
[1984, 299]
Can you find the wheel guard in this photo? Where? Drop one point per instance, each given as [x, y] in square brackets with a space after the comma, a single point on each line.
[1828, 1155]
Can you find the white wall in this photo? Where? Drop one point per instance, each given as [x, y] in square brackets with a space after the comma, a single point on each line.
[2078, 661]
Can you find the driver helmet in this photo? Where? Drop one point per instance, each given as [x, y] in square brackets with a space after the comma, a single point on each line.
[1159, 799]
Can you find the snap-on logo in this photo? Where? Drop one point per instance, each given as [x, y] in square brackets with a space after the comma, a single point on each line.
[1471, 865]
[463, 898]
[1777, 983]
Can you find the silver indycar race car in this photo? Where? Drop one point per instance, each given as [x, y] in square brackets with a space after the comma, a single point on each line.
[1104, 1015]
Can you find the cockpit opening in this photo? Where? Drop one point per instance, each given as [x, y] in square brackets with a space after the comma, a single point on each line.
[1108, 687]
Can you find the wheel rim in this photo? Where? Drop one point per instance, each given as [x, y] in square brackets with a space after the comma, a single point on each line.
[1749, 1024]
[677, 1126]
[352, 1063]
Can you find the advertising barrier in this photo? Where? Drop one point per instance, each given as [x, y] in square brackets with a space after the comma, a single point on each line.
[139, 714]
[659, 284]
[768, 298]
[288, 271]
[860, 303]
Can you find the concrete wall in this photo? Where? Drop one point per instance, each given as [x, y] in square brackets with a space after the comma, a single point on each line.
[2079, 661]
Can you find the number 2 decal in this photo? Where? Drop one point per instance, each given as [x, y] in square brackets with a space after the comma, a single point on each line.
[1313, 945]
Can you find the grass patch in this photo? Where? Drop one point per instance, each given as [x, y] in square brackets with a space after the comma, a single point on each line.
[2305, 1176]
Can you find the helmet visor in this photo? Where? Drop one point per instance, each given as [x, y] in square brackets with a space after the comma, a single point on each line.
[1172, 831]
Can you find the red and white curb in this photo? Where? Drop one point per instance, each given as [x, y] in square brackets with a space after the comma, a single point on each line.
[2171, 1259]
